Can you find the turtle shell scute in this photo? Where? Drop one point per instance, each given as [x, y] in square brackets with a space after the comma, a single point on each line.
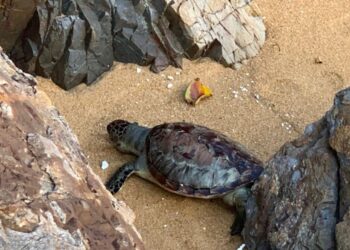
[197, 161]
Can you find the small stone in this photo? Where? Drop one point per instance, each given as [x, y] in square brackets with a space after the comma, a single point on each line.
[170, 78]
[244, 89]
[178, 73]
[241, 247]
[204, 228]
[104, 165]
[170, 85]
[6, 110]
[165, 225]
[318, 60]
[138, 70]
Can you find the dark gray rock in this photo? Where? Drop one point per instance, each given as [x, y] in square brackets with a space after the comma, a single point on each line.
[71, 69]
[141, 35]
[156, 33]
[99, 55]
[14, 17]
[68, 40]
[296, 197]
[339, 120]
[343, 232]
[304, 190]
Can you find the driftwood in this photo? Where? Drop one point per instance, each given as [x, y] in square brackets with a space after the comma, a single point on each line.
[305, 189]
[49, 196]
[73, 41]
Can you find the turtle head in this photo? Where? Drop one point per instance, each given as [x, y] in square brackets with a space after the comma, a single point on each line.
[128, 137]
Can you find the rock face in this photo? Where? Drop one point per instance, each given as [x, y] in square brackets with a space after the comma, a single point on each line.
[49, 197]
[304, 190]
[74, 41]
[68, 40]
[14, 16]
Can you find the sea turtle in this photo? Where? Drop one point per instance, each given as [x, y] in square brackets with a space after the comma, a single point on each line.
[189, 160]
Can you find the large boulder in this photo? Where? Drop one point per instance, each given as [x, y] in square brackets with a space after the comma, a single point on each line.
[49, 196]
[305, 188]
[74, 41]
[14, 17]
[68, 40]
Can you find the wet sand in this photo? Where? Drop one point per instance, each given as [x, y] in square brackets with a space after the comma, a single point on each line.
[263, 105]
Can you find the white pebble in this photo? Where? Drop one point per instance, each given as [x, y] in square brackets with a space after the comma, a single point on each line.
[243, 89]
[178, 73]
[170, 85]
[138, 70]
[104, 165]
[241, 247]
[165, 225]
[170, 78]
[6, 110]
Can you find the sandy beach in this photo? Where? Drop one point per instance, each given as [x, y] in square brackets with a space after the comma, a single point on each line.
[266, 103]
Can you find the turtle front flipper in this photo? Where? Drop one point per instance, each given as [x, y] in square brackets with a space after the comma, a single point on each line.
[118, 179]
[238, 198]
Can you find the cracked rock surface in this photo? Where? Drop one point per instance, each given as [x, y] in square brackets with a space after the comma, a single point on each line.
[14, 16]
[304, 190]
[74, 41]
[49, 196]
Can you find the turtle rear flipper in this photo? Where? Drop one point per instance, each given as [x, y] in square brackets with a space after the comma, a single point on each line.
[118, 179]
[238, 198]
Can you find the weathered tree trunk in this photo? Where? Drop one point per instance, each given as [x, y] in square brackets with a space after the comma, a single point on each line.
[49, 196]
[305, 189]
[73, 41]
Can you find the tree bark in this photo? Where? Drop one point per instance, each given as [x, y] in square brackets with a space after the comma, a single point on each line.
[49, 196]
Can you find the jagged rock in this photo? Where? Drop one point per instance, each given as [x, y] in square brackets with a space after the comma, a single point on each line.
[142, 35]
[68, 40]
[49, 196]
[339, 120]
[220, 29]
[14, 17]
[304, 190]
[145, 32]
[343, 232]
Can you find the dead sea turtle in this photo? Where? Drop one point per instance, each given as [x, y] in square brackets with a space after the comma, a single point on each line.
[189, 160]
